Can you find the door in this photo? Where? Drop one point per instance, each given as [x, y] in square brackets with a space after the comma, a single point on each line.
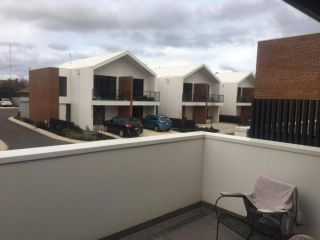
[187, 92]
[137, 88]
[137, 112]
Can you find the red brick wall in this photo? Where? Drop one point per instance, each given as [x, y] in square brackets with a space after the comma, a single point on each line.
[44, 94]
[246, 114]
[248, 94]
[200, 92]
[125, 87]
[289, 68]
[125, 110]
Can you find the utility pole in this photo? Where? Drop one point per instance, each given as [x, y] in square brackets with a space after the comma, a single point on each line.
[10, 57]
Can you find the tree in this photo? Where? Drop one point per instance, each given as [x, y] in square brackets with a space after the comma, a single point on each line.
[9, 88]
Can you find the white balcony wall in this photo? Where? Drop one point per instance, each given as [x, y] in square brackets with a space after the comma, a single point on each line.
[90, 190]
[232, 164]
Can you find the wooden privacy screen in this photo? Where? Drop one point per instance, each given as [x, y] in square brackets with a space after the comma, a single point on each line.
[284, 120]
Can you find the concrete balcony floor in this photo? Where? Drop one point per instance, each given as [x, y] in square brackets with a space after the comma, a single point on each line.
[197, 224]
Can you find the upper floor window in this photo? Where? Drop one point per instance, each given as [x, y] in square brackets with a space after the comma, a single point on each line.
[62, 86]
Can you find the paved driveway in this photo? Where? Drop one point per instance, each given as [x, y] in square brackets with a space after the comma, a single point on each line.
[16, 136]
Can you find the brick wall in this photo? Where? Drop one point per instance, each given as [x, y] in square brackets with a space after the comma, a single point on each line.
[200, 92]
[125, 110]
[44, 94]
[125, 87]
[289, 68]
[200, 114]
[246, 114]
[248, 94]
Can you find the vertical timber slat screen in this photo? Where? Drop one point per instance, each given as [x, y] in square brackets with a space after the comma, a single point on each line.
[284, 120]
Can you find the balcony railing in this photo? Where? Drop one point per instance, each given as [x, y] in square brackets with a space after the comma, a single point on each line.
[110, 94]
[146, 96]
[113, 94]
[244, 99]
[189, 97]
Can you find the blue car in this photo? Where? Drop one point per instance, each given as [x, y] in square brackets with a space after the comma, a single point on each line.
[157, 122]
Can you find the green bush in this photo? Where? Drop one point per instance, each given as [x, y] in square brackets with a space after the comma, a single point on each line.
[40, 124]
[69, 133]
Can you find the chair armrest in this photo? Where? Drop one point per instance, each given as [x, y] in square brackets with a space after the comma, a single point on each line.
[271, 212]
[230, 194]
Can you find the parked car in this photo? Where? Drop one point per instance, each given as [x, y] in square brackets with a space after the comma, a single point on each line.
[157, 122]
[6, 102]
[124, 126]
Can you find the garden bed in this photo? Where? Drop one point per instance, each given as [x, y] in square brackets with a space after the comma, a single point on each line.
[66, 129]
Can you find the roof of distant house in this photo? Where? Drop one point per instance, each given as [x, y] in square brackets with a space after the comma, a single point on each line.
[98, 61]
[234, 77]
[181, 71]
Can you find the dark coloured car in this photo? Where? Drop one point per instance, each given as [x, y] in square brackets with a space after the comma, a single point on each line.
[124, 126]
[157, 122]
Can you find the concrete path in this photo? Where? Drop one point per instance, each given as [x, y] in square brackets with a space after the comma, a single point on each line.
[16, 136]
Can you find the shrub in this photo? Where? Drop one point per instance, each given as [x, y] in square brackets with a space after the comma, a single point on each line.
[40, 124]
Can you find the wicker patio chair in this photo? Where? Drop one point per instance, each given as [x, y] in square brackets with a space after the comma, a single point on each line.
[257, 221]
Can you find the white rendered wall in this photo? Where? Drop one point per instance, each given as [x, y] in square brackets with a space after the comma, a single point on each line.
[85, 108]
[170, 96]
[189, 113]
[24, 108]
[229, 90]
[62, 112]
[232, 164]
[91, 190]
[124, 67]
[202, 76]
[110, 112]
[213, 113]
[148, 110]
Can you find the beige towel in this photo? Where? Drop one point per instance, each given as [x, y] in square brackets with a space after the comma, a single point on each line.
[276, 195]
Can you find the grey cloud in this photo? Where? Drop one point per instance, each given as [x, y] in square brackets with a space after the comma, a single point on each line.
[58, 46]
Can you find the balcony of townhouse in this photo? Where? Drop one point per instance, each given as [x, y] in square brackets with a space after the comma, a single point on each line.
[145, 98]
[189, 99]
[110, 97]
[245, 96]
[160, 187]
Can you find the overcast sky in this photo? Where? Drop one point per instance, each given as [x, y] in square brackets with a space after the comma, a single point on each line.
[221, 33]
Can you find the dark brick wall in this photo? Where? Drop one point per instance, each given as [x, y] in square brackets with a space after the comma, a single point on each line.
[200, 92]
[200, 114]
[125, 87]
[246, 114]
[125, 110]
[44, 94]
[289, 68]
[248, 94]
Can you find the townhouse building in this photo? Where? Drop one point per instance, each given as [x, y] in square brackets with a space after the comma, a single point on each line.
[90, 90]
[189, 91]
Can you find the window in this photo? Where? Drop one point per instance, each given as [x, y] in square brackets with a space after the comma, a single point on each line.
[62, 86]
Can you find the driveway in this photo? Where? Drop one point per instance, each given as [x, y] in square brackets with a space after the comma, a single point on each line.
[16, 136]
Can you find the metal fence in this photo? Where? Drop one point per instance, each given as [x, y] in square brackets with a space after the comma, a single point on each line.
[283, 120]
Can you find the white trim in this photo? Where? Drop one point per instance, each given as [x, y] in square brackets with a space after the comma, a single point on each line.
[31, 154]
[110, 103]
[145, 103]
[240, 104]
